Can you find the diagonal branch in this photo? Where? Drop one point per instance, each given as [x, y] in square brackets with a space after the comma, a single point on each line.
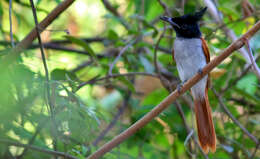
[174, 95]
[49, 100]
[114, 76]
[165, 7]
[111, 66]
[250, 54]
[26, 42]
[113, 10]
[114, 121]
[47, 151]
[230, 33]
[233, 118]
[10, 21]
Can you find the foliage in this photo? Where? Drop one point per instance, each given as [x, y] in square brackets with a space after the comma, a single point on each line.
[95, 86]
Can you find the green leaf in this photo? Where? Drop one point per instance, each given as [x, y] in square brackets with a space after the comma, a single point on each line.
[110, 101]
[255, 42]
[61, 74]
[146, 63]
[247, 95]
[81, 43]
[155, 97]
[112, 35]
[248, 84]
[146, 23]
[127, 83]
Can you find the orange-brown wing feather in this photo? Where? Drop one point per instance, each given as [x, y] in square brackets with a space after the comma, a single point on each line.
[206, 53]
[205, 50]
[173, 54]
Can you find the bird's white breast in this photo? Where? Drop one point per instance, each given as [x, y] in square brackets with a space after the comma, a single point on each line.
[189, 57]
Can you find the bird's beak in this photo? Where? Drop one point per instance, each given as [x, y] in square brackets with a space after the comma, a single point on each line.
[169, 20]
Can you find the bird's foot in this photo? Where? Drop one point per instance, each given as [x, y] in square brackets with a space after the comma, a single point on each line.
[200, 71]
[179, 86]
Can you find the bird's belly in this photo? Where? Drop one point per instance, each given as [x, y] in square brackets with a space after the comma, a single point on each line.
[189, 57]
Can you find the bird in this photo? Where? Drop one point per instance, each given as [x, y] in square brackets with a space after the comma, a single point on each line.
[191, 54]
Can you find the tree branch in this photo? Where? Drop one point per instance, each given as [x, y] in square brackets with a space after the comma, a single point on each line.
[51, 152]
[111, 66]
[233, 83]
[49, 100]
[114, 76]
[10, 21]
[230, 33]
[113, 122]
[233, 118]
[165, 7]
[174, 95]
[110, 8]
[26, 42]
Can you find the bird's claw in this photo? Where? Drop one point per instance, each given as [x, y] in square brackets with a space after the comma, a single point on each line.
[179, 86]
[200, 71]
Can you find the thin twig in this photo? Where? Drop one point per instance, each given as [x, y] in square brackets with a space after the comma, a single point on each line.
[31, 141]
[221, 26]
[88, 40]
[183, 2]
[157, 70]
[230, 33]
[251, 56]
[163, 80]
[110, 8]
[49, 101]
[51, 152]
[26, 42]
[82, 65]
[254, 153]
[233, 83]
[223, 106]
[165, 7]
[114, 76]
[40, 126]
[224, 140]
[113, 10]
[173, 96]
[111, 66]
[179, 109]
[10, 21]
[113, 122]
[59, 45]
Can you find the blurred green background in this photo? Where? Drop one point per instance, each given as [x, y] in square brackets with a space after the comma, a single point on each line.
[82, 44]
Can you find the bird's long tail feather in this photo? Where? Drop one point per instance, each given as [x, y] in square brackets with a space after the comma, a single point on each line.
[205, 126]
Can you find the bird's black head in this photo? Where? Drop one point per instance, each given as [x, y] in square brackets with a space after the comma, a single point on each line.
[186, 26]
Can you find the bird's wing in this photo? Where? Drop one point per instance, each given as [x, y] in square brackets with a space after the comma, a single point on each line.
[205, 50]
[207, 55]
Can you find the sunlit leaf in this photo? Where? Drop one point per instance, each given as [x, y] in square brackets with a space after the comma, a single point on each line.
[248, 84]
[127, 83]
[81, 43]
[60, 74]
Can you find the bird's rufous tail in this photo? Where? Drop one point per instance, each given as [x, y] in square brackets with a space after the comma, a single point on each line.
[205, 126]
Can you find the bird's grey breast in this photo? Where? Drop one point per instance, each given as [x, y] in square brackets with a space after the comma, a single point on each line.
[189, 56]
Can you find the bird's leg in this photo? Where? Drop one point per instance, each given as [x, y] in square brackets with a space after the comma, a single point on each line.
[179, 86]
[200, 71]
